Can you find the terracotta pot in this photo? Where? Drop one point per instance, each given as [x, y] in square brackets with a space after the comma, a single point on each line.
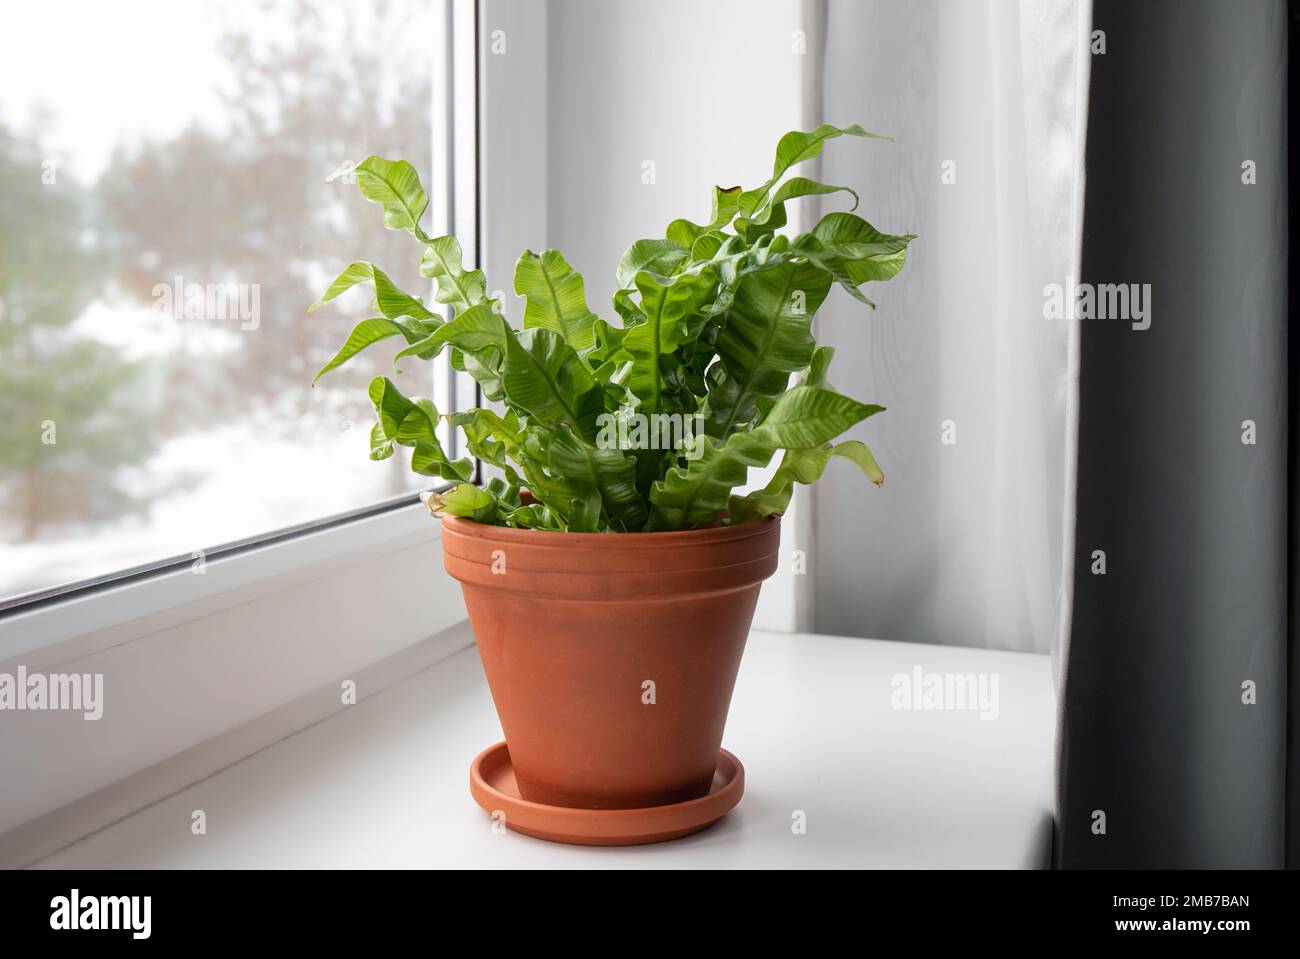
[578, 631]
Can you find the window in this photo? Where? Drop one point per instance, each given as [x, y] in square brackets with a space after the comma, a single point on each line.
[164, 224]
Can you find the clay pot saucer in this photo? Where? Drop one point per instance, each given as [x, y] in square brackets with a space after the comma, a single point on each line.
[492, 783]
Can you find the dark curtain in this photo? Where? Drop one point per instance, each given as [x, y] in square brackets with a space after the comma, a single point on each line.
[1293, 457]
[1174, 684]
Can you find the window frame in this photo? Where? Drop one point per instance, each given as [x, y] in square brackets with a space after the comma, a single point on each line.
[190, 651]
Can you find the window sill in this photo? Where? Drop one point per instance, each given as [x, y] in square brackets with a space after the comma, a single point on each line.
[186, 658]
[384, 783]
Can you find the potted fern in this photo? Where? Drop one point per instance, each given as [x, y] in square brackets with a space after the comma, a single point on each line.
[609, 568]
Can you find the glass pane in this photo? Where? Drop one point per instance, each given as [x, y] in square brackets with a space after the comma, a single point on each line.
[164, 224]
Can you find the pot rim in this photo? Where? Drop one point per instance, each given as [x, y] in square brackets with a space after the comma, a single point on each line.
[547, 537]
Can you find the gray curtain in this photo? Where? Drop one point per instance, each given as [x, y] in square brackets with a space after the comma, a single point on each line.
[1174, 690]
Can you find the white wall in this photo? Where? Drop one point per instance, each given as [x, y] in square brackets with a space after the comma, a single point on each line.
[701, 90]
[590, 90]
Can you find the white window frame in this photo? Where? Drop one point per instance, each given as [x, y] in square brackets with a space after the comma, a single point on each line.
[190, 651]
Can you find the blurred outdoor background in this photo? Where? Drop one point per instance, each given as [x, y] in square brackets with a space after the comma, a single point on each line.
[160, 139]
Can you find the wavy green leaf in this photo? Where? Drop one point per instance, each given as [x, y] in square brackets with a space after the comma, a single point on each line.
[364, 334]
[610, 471]
[392, 302]
[707, 245]
[833, 265]
[818, 367]
[853, 251]
[876, 255]
[419, 425]
[808, 416]
[578, 504]
[443, 262]
[555, 299]
[494, 439]
[486, 372]
[772, 216]
[390, 405]
[609, 343]
[670, 316]
[697, 494]
[478, 341]
[478, 329]
[627, 308]
[395, 186]
[411, 422]
[804, 466]
[466, 500]
[725, 204]
[381, 447]
[793, 148]
[768, 336]
[657, 256]
[544, 377]
[534, 516]
[701, 491]
[430, 459]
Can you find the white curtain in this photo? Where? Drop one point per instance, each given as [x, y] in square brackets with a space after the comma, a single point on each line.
[967, 542]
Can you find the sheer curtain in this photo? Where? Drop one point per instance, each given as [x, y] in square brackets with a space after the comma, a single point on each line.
[986, 103]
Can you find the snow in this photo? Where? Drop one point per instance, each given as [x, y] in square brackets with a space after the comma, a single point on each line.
[251, 485]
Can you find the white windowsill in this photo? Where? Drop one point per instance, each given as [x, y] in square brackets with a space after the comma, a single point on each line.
[187, 658]
[86, 622]
[384, 783]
